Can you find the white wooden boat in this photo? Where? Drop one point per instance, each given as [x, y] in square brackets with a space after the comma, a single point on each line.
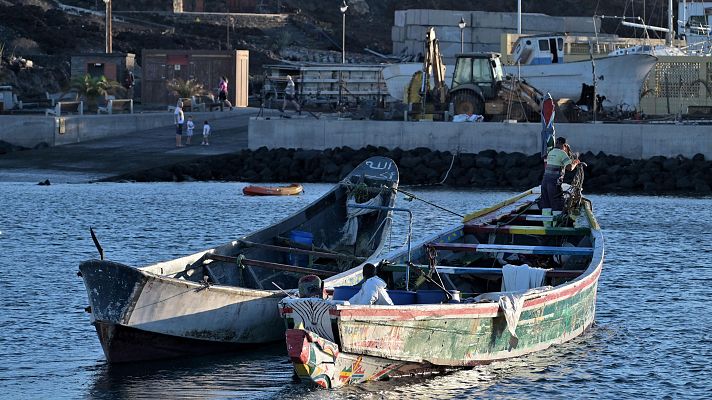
[226, 297]
[541, 64]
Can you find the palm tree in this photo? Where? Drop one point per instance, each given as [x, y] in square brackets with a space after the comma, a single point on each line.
[185, 89]
[92, 88]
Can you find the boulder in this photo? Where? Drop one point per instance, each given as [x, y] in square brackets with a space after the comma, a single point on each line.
[685, 183]
[485, 162]
[487, 153]
[670, 164]
[701, 187]
[467, 160]
[410, 162]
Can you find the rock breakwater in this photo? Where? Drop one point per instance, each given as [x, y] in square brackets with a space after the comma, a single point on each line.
[487, 169]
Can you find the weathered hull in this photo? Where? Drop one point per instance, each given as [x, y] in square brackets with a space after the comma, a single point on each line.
[126, 299]
[388, 342]
[333, 343]
[125, 344]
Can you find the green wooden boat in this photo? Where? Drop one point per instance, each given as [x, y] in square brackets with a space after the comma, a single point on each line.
[332, 343]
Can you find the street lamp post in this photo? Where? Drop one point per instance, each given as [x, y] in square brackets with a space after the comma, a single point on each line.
[462, 24]
[230, 23]
[108, 26]
[343, 9]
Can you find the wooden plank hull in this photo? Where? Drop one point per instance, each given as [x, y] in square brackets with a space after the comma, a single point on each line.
[159, 315]
[213, 301]
[332, 343]
[392, 342]
[122, 344]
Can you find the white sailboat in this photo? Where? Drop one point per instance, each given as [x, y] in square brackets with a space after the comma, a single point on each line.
[539, 60]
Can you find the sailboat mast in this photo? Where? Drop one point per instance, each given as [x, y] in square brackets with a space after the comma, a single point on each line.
[519, 16]
[671, 32]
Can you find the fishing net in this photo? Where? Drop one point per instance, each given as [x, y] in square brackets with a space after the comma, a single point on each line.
[350, 229]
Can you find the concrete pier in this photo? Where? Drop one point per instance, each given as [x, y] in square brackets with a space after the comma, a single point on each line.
[633, 141]
[30, 131]
[97, 147]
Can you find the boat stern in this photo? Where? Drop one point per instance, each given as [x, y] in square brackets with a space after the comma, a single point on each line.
[313, 357]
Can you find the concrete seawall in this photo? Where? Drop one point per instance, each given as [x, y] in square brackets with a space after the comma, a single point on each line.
[31, 131]
[633, 141]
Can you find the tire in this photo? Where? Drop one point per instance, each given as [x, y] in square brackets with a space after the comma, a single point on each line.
[468, 102]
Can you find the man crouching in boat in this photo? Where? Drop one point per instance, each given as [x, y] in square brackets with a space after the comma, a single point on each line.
[373, 289]
[558, 161]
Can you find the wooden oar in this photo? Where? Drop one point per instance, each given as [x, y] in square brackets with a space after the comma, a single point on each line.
[269, 265]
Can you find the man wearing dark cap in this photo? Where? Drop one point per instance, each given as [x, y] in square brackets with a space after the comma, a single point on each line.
[558, 161]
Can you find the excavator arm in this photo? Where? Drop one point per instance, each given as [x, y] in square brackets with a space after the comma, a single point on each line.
[434, 67]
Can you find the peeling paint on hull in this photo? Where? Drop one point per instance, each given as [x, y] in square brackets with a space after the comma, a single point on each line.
[333, 343]
[152, 308]
[379, 349]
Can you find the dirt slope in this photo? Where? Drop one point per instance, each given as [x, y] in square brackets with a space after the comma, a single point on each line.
[47, 33]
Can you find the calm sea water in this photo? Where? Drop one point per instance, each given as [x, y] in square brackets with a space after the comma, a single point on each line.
[651, 338]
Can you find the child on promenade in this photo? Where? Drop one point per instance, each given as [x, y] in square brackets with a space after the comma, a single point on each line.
[189, 131]
[206, 134]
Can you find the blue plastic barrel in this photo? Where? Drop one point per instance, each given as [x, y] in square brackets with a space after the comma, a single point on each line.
[401, 297]
[436, 296]
[301, 237]
[345, 292]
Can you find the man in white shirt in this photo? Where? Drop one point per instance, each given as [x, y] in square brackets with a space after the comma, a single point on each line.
[179, 119]
[373, 289]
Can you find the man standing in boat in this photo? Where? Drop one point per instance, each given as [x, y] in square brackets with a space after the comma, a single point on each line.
[558, 161]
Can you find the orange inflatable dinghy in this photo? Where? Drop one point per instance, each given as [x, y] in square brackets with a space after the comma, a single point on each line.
[290, 190]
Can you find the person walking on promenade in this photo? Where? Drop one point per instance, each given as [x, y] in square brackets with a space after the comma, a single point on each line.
[206, 134]
[179, 119]
[189, 130]
[222, 93]
[558, 161]
[290, 95]
[129, 82]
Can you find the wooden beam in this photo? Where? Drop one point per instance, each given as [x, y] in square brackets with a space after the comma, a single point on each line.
[527, 230]
[285, 249]
[270, 265]
[507, 248]
[443, 269]
[538, 217]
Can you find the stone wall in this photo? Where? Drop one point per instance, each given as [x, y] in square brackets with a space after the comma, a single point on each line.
[486, 170]
[634, 141]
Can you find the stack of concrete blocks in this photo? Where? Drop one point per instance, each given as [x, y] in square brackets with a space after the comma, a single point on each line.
[482, 33]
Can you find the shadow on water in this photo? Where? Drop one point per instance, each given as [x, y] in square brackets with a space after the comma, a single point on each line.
[266, 373]
[256, 374]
